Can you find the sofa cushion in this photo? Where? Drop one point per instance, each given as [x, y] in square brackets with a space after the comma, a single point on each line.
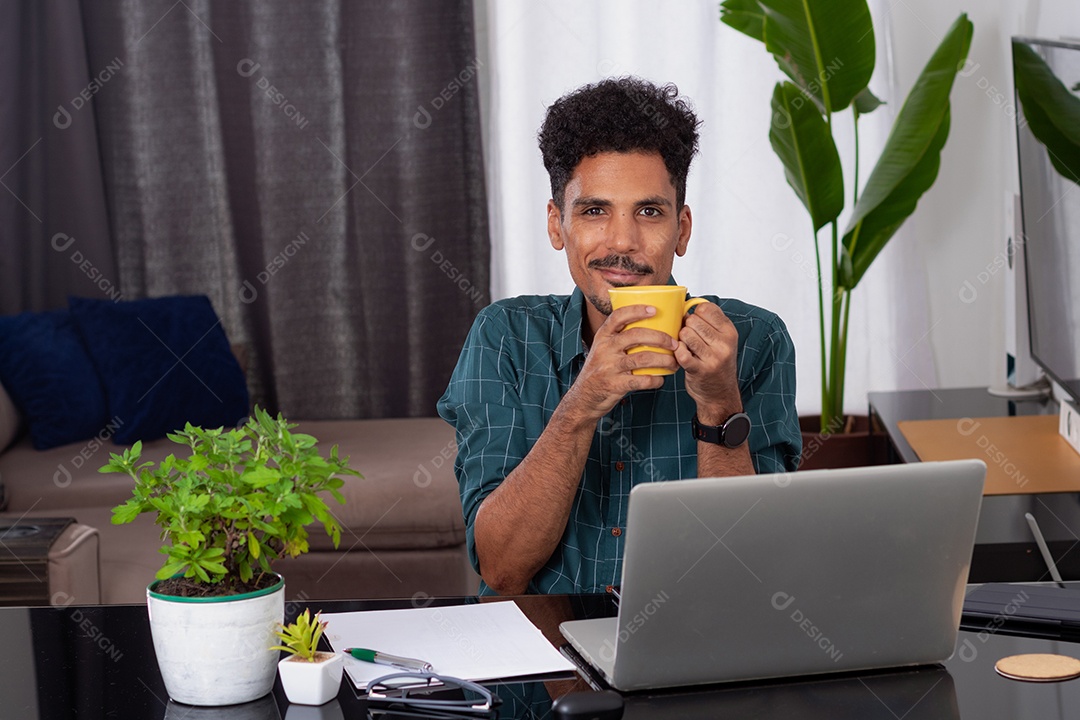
[48, 372]
[67, 476]
[163, 362]
[408, 497]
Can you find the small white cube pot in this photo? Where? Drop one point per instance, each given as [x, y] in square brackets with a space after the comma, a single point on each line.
[311, 683]
[216, 651]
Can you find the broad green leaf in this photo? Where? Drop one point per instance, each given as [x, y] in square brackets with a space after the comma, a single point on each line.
[801, 139]
[826, 48]
[867, 102]
[1051, 111]
[872, 234]
[904, 171]
[746, 16]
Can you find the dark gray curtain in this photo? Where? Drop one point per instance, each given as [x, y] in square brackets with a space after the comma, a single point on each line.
[315, 168]
[54, 235]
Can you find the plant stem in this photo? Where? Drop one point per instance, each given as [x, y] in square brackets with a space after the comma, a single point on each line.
[842, 373]
[821, 331]
[836, 403]
[855, 184]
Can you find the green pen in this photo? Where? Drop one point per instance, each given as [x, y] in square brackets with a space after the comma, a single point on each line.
[373, 656]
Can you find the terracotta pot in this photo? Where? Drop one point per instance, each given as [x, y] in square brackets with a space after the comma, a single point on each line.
[853, 446]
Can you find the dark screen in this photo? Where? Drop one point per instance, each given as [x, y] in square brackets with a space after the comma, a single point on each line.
[1047, 81]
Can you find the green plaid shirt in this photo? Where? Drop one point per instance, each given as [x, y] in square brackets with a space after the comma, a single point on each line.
[522, 355]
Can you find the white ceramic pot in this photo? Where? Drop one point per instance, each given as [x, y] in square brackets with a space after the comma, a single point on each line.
[311, 683]
[216, 651]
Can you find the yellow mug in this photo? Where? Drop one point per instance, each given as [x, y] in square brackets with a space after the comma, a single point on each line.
[671, 305]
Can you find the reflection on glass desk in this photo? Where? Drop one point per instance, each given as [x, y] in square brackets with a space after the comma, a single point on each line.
[98, 662]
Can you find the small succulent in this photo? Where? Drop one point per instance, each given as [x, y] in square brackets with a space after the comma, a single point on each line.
[301, 638]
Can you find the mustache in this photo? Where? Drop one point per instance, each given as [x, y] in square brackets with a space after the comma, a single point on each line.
[620, 262]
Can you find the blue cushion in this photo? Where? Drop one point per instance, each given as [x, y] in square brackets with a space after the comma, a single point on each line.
[163, 362]
[49, 375]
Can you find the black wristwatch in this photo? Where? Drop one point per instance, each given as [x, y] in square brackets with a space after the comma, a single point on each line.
[731, 434]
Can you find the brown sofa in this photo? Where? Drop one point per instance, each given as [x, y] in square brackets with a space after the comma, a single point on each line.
[403, 534]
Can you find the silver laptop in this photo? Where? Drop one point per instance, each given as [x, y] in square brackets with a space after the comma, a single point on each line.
[765, 576]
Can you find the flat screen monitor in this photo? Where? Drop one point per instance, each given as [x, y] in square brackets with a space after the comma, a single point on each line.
[1046, 77]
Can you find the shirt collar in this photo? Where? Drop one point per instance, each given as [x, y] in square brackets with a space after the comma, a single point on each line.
[571, 345]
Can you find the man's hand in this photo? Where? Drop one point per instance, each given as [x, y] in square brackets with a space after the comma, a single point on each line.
[707, 349]
[607, 374]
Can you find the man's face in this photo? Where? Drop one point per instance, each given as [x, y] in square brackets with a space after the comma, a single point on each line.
[618, 225]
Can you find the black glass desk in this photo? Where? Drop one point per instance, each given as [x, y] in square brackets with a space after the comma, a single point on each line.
[98, 662]
[1004, 547]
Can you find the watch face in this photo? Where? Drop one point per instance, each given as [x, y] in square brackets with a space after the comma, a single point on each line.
[736, 430]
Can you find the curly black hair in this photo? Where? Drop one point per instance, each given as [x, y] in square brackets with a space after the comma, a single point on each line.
[619, 115]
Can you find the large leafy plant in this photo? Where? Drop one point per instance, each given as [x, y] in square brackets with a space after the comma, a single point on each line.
[241, 499]
[827, 50]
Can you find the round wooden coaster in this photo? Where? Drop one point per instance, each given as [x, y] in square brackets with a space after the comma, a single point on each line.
[1038, 667]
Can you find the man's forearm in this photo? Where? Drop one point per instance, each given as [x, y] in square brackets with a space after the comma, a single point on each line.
[717, 460]
[519, 525]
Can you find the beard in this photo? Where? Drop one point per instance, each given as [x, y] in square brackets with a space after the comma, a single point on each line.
[615, 262]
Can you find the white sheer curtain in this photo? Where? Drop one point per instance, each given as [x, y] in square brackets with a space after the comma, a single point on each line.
[751, 237]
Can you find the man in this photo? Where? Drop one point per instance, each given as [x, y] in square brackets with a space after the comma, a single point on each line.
[553, 429]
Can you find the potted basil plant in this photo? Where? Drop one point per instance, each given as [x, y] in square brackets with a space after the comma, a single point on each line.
[233, 502]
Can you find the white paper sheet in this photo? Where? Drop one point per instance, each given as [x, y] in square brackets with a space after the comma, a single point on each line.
[485, 641]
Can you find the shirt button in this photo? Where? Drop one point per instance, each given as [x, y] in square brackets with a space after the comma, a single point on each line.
[624, 401]
[619, 466]
[609, 588]
[616, 531]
